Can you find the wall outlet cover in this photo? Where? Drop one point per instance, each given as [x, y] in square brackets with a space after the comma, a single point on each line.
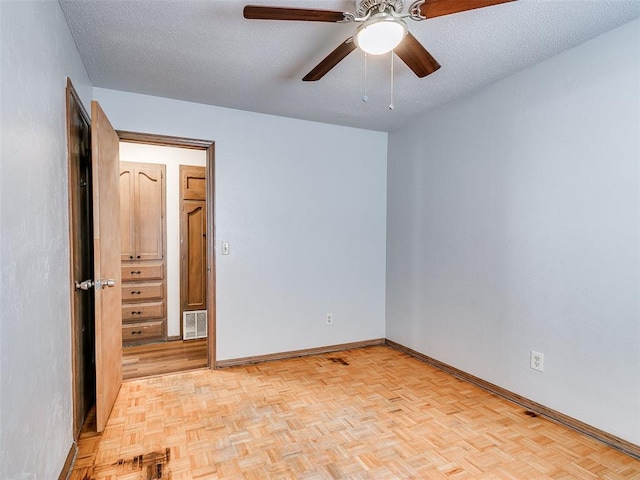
[537, 361]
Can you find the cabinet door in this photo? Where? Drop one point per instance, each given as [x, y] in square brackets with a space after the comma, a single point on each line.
[127, 235]
[194, 186]
[193, 282]
[149, 219]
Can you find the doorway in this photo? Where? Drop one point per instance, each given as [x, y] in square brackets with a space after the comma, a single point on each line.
[84, 333]
[176, 351]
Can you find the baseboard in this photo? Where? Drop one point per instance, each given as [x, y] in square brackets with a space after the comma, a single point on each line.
[68, 463]
[565, 420]
[235, 362]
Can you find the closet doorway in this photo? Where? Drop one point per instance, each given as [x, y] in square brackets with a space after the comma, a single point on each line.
[166, 197]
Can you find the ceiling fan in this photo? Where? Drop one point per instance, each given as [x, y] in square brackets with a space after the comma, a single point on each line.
[381, 28]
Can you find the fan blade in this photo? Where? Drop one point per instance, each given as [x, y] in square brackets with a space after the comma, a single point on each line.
[331, 60]
[256, 12]
[437, 8]
[416, 56]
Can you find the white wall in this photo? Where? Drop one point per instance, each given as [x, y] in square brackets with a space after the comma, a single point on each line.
[37, 53]
[302, 206]
[171, 157]
[513, 224]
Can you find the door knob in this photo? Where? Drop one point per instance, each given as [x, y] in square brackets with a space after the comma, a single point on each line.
[104, 283]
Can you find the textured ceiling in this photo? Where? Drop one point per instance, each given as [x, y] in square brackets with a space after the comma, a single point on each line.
[204, 51]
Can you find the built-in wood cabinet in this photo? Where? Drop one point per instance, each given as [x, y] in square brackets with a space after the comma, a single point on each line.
[143, 227]
[142, 206]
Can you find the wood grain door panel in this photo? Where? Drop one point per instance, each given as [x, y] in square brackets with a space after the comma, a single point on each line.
[193, 183]
[105, 146]
[127, 234]
[193, 282]
[149, 200]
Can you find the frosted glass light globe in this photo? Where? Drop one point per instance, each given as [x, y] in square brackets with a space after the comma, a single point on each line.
[380, 35]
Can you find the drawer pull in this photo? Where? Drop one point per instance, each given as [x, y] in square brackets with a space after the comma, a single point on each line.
[136, 273]
[130, 257]
[139, 332]
[136, 292]
[136, 313]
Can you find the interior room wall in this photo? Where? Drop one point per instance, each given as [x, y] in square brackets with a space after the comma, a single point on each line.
[37, 53]
[302, 206]
[172, 158]
[513, 225]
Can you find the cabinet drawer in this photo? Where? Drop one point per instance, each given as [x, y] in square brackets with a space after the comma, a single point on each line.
[142, 311]
[135, 272]
[134, 332]
[141, 291]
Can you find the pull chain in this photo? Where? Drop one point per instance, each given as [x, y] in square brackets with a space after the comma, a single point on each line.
[391, 106]
[365, 97]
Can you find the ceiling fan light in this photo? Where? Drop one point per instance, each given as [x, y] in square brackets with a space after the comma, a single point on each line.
[381, 35]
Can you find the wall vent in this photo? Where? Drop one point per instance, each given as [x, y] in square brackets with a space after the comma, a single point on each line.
[194, 324]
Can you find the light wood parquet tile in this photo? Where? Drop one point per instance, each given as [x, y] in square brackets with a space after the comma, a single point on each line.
[370, 413]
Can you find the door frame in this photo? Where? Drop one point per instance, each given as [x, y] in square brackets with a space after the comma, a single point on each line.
[209, 147]
[73, 103]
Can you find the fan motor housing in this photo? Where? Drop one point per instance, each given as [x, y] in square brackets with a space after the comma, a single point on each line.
[365, 6]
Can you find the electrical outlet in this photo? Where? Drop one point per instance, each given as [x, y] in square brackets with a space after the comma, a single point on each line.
[537, 361]
[329, 319]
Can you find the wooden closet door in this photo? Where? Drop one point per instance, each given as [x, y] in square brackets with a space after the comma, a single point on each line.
[149, 200]
[127, 234]
[193, 282]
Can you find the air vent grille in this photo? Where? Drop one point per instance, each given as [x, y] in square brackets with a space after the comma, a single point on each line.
[194, 324]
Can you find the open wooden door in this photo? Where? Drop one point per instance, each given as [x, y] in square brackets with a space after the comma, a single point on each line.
[105, 146]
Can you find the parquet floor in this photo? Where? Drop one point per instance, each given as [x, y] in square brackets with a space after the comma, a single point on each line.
[370, 413]
[160, 358]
